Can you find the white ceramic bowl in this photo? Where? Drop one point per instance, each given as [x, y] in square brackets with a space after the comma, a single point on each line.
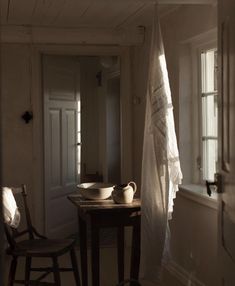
[95, 191]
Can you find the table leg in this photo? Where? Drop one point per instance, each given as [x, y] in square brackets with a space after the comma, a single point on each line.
[95, 255]
[135, 251]
[83, 251]
[120, 253]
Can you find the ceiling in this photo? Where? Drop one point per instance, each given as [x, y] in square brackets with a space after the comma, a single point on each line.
[84, 13]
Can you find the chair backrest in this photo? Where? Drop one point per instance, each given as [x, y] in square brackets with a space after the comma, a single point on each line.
[12, 233]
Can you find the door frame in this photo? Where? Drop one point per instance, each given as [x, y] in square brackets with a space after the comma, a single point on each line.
[109, 75]
[37, 105]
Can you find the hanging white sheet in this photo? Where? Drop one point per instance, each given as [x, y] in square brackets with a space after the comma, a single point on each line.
[161, 173]
[11, 213]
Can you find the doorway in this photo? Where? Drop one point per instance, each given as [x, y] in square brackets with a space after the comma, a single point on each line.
[61, 91]
[81, 132]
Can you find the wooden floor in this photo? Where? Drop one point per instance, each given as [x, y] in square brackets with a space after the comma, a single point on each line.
[108, 269]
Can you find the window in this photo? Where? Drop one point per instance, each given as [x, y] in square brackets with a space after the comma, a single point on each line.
[198, 110]
[209, 113]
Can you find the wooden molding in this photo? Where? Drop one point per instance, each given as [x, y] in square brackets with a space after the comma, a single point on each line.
[85, 36]
[167, 1]
[188, 2]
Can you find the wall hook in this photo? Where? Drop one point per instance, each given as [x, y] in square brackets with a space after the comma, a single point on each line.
[27, 116]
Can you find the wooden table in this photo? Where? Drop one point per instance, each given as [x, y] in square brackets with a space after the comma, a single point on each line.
[107, 214]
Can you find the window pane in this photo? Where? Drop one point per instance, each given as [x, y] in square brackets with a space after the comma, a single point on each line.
[216, 72]
[208, 71]
[209, 116]
[79, 154]
[79, 121]
[79, 106]
[210, 152]
[79, 137]
[79, 159]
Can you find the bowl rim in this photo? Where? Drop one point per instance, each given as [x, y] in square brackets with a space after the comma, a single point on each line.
[102, 186]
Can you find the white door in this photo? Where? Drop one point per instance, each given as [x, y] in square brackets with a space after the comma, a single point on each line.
[61, 149]
[226, 222]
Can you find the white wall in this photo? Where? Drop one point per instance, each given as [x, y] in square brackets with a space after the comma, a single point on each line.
[17, 139]
[194, 240]
[100, 119]
[89, 66]
[139, 65]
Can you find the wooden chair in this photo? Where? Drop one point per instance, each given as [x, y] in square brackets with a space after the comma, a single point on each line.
[34, 246]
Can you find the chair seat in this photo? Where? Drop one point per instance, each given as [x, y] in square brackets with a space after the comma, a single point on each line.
[42, 247]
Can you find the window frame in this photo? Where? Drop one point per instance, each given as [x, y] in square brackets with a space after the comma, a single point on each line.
[202, 94]
[204, 42]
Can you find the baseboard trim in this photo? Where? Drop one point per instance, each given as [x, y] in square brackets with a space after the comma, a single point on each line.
[185, 277]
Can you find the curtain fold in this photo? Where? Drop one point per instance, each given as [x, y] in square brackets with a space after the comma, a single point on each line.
[11, 213]
[161, 172]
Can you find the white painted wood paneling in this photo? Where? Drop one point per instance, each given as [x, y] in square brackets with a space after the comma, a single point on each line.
[4, 8]
[70, 138]
[141, 17]
[226, 163]
[61, 95]
[62, 83]
[55, 148]
[21, 12]
[20, 34]
[79, 13]
[102, 14]
[46, 12]
[71, 13]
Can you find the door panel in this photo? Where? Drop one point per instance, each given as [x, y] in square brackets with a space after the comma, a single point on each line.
[55, 147]
[71, 174]
[226, 222]
[61, 97]
[228, 231]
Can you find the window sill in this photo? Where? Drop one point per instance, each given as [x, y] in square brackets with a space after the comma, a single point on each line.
[199, 194]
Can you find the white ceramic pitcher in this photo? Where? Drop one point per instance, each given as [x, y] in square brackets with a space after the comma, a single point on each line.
[123, 194]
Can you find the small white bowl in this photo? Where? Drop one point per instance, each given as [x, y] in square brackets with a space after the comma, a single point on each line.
[95, 191]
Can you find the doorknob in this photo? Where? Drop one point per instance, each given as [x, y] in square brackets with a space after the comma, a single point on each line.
[217, 183]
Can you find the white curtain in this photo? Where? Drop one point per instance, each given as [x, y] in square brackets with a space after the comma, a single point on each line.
[11, 213]
[161, 173]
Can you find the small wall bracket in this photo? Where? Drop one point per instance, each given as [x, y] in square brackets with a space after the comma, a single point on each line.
[27, 116]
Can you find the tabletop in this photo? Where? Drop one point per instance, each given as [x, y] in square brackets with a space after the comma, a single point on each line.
[107, 205]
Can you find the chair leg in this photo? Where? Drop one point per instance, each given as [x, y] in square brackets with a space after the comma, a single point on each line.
[28, 261]
[56, 271]
[12, 271]
[75, 267]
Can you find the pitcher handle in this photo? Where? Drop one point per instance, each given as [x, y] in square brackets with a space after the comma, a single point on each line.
[134, 186]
